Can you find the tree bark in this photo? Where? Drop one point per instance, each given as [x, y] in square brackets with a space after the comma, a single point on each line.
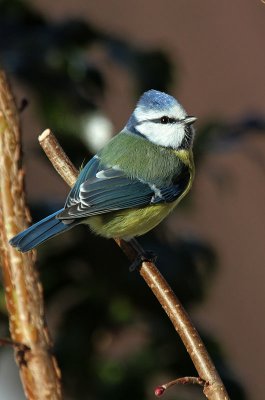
[39, 372]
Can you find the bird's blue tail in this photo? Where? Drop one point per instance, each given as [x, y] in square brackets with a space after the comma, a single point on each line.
[39, 233]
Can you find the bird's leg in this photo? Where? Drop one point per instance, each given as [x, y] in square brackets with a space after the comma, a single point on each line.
[136, 254]
[146, 256]
[141, 255]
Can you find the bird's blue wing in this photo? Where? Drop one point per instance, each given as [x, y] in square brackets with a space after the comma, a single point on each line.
[170, 193]
[108, 191]
[102, 190]
[89, 171]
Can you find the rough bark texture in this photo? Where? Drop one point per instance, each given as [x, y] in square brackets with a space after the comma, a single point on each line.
[38, 368]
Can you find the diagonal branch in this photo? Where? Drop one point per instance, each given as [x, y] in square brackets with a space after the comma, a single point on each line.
[213, 387]
[38, 368]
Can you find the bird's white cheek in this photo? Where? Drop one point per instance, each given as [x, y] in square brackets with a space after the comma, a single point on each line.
[163, 135]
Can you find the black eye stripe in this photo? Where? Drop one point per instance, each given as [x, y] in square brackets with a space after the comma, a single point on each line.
[165, 120]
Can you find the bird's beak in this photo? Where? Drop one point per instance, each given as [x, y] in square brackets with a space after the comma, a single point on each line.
[189, 120]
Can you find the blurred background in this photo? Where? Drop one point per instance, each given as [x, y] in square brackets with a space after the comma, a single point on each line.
[78, 68]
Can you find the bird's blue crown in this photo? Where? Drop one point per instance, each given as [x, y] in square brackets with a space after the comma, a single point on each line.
[155, 100]
[152, 100]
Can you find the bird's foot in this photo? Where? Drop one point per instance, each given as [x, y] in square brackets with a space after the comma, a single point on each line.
[145, 256]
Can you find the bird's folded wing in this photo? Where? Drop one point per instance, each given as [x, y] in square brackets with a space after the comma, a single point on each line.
[109, 189]
[89, 171]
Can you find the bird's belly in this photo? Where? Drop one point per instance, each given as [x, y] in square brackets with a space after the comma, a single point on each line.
[130, 222]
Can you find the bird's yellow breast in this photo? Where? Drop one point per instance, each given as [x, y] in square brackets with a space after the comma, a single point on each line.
[131, 222]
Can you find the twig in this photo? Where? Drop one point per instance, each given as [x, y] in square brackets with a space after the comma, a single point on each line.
[160, 390]
[213, 388]
[38, 368]
[21, 350]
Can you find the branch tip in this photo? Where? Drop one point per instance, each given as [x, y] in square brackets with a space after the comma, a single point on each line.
[44, 135]
[159, 391]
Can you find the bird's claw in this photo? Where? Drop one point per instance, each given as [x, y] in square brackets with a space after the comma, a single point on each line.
[146, 256]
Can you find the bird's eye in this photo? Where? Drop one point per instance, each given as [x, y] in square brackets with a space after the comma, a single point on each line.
[164, 120]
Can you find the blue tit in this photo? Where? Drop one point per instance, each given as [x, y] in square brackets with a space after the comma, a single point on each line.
[134, 182]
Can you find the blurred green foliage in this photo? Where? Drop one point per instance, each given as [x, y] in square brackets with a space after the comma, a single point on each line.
[111, 337]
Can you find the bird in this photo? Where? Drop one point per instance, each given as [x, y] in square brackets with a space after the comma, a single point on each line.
[133, 182]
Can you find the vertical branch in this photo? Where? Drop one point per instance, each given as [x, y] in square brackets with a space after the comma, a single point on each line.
[213, 386]
[38, 368]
